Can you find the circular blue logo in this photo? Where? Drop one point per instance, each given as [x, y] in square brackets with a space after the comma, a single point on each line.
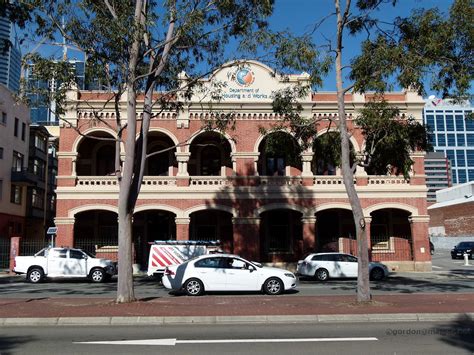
[244, 77]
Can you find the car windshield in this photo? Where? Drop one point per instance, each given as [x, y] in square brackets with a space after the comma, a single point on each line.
[464, 245]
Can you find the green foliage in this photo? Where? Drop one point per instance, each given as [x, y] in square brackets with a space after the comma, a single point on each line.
[426, 45]
[327, 151]
[390, 139]
[105, 31]
[282, 144]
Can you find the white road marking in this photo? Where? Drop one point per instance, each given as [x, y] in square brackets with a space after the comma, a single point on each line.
[172, 342]
[436, 267]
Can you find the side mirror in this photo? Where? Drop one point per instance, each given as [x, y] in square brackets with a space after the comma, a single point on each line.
[85, 257]
[251, 268]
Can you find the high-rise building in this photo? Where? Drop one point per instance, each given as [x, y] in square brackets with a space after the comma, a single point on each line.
[452, 133]
[438, 173]
[42, 111]
[10, 57]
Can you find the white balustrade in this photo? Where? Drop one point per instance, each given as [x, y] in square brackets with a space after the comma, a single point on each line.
[212, 181]
[281, 180]
[387, 180]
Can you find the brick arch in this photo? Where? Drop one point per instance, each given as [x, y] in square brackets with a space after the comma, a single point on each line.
[330, 206]
[352, 139]
[263, 136]
[231, 142]
[281, 206]
[391, 205]
[167, 133]
[92, 207]
[154, 207]
[77, 142]
[187, 213]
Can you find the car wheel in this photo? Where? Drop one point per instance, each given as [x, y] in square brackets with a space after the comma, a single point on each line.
[194, 287]
[273, 286]
[97, 275]
[322, 274]
[377, 274]
[35, 275]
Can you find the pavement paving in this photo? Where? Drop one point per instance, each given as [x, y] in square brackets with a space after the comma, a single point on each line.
[254, 308]
[234, 308]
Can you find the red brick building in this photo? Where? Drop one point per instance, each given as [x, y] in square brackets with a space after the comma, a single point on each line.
[271, 207]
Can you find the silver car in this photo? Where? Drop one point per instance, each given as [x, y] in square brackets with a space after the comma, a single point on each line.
[323, 266]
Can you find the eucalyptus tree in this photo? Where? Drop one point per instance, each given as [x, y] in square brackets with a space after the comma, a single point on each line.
[139, 48]
[425, 49]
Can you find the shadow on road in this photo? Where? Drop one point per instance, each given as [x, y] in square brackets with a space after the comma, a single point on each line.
[9, 345]
[459, 333]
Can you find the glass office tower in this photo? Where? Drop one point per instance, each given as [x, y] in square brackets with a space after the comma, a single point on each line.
[452, 133]
[10, 57]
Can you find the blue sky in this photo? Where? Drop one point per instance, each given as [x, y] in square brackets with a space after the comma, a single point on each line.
[299, 16]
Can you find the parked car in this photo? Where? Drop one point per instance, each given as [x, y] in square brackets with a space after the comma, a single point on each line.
[462, 248]
[323, 266]
[226, 272]
[64, 263]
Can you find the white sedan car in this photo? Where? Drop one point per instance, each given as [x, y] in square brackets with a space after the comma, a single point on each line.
[226, 272]
[323, 266]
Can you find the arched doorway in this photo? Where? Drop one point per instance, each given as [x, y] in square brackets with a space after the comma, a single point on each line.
[149, 226]
[327, 154]
[97, 232]
[277, 151]
[212, 225]
[210, 155]
[332, 225]
[281, 233]
[96, 156]
[163, 163]
[390, 235]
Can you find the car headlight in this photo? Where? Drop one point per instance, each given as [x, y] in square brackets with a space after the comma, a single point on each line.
[290, 275]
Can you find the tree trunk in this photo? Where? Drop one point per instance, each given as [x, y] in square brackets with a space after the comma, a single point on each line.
[125, 290]
[363, 285]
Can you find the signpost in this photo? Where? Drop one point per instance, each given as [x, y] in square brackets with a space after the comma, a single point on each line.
[52, 231]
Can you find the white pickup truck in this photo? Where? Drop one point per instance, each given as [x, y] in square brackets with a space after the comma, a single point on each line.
[64, 263]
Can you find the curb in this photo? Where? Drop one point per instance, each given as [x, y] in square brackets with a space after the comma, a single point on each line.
[270, 319]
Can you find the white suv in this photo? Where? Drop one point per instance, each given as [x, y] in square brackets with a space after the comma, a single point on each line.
[323, 266]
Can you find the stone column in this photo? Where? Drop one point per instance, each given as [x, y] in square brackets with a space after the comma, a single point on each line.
[247, 237]
[65, 234]
[420, 242]
[182, 228]
[309, 233]
[307, 174]
[182, 175]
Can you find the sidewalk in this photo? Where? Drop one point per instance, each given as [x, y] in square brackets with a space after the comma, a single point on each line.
[254, 308]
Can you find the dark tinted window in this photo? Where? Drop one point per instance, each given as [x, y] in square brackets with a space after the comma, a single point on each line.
[208, 262]
[325, 257]
[75, 254]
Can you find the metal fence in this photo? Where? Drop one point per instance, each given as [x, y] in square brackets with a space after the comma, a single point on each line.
[106, 247]
[31, 247]
[4, 253]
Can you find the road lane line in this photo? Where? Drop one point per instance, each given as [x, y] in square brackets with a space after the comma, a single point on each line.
[172, 342]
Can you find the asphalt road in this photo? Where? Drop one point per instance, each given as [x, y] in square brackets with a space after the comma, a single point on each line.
[358, 338]
[447, 276]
